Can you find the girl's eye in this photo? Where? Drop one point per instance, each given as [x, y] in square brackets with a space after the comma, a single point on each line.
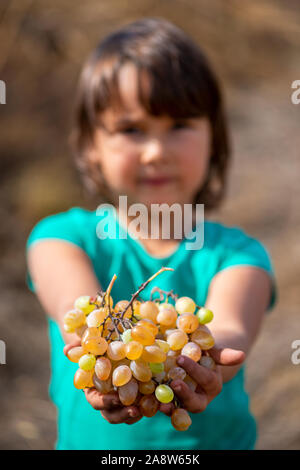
[179, 125]
[130, 130]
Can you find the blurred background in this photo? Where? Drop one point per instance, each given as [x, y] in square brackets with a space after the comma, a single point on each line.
[255, 47]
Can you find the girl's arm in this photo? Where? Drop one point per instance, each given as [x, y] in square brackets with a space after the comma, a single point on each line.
[61, 272]
[238, 297]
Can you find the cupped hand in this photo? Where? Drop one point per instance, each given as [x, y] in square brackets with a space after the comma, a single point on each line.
[108, 404]
[209, 382]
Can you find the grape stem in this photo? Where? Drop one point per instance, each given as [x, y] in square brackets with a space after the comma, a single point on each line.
[142, 287]
[162, 292]
[120, 320]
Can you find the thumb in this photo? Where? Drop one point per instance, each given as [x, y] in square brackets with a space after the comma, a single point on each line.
[227, 356]
[69, 346]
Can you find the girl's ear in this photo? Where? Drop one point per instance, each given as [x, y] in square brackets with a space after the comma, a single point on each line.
[93, 150]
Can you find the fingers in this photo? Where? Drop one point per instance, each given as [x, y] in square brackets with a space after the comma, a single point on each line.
[111, 407]
[100, 401]
[167, 408]
[191, 401]
[208, 380]
[227, 356]
[69, 346]
[126, 414]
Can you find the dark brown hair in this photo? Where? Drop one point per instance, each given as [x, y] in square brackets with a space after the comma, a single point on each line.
[182, 85]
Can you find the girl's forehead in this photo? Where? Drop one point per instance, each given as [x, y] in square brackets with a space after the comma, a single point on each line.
[129, 107]
[128, 84]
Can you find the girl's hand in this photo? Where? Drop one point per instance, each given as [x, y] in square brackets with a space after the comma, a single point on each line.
[108, 404]
[111, 408]
[209, 381]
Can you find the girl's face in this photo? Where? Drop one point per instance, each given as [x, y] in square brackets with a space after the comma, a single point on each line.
[150, 159]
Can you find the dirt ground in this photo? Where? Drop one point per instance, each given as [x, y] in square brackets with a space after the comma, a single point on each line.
[254, 46]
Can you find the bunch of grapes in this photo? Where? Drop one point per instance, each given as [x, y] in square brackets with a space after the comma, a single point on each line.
[132, 347]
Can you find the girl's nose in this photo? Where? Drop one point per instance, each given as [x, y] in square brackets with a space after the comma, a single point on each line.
[153, 151]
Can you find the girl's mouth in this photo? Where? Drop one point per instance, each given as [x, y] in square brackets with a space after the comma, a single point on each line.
[156, 181]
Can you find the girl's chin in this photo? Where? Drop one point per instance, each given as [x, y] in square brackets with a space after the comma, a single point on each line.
[147, 201]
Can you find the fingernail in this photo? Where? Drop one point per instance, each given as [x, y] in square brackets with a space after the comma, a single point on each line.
[180, 361]
[177, 386]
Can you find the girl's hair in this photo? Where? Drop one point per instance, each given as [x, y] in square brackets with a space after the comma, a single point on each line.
[182, 85]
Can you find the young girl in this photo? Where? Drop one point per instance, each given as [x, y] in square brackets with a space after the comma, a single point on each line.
[150, 125]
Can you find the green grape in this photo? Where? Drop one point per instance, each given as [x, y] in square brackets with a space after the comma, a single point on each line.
[204, 315]
[83, 303]
[126, 336]
[73, 319]
[156, 368]
[185, 305]
[164, 393]
[87, 362]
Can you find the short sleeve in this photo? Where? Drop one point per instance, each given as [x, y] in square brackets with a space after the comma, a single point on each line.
[239, 248]
[62, 226]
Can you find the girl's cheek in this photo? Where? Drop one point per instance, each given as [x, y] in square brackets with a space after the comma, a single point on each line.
[193, 168]
[123, 170]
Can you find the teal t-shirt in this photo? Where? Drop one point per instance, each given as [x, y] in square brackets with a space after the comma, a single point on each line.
[227, 422]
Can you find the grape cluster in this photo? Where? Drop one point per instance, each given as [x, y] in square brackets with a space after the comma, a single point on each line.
[132, 347]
